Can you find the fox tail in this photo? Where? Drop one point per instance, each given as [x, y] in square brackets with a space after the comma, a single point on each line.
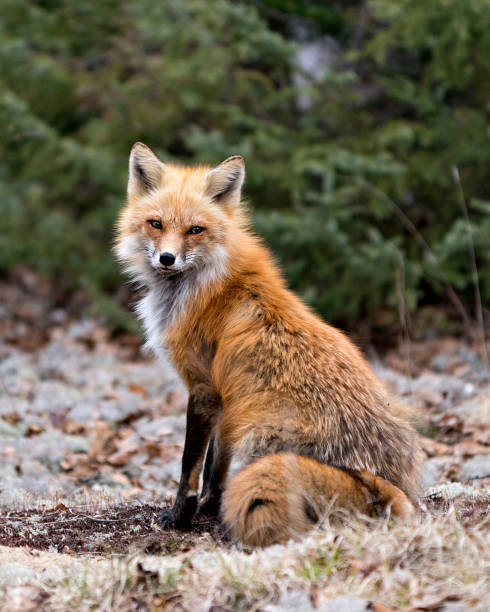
[283, 496]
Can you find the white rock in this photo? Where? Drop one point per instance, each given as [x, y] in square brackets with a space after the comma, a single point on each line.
[14, 574]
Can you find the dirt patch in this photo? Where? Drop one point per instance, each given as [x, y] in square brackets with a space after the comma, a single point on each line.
[120, 529]
[124, 529]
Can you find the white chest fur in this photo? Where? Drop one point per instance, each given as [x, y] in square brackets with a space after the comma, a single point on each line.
[160, 308]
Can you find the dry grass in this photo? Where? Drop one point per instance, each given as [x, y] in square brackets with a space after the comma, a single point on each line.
[435, 558]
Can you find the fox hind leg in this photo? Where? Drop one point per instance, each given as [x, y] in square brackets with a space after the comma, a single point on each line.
[218, 460]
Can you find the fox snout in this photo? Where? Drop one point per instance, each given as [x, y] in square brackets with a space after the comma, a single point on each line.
[167, 259]
[169, 253]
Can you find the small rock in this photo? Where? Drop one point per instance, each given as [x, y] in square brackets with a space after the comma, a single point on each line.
[476, 410]
[345, 603]
[156, 475]
[439, 363]
[14, 574]
[440, 390]
[292, 601]
[171, 428]
[126, 405]
[6, 429]
[49, 448]
[476, 467]
[432, 470]
[82, 412]
[110, 411]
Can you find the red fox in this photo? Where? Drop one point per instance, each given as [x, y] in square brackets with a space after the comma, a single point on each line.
[274, 391]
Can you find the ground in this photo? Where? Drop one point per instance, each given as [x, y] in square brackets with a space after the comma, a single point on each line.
[91, 434]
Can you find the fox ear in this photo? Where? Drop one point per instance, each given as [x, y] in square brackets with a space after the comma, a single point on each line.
[145, 170]
[224, 183]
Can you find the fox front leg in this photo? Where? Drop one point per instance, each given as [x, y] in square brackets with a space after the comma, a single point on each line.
[202, 412]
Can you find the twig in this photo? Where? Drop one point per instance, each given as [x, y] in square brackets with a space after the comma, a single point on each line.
[67, 520]
[404, 317]
[474, 268]
[92, 518]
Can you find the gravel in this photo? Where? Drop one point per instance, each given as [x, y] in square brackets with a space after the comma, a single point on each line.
[53, 400]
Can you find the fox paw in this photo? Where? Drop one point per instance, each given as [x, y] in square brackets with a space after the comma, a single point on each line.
[179, 516]
[209, 506]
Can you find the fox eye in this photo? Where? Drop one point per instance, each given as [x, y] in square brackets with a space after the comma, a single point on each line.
[155, 223]
[195, 230]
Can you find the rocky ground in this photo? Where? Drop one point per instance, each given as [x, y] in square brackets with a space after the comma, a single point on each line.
[91, 435]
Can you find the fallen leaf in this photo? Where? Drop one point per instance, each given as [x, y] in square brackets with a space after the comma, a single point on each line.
[34, 430]
[103, 442]
[12, 418]
[75, 429]
[432, 448]
[434, 603]
[378, 606]
[120, 478]
[480, 434]
[78, 464]
[450, 427]
[123, 454]
[468, 448]
[137, 389]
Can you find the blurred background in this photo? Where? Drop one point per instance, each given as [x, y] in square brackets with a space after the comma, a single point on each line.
[364, 124]
[365, 130]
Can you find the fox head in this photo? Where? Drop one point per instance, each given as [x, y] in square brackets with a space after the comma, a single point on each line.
[178, 219]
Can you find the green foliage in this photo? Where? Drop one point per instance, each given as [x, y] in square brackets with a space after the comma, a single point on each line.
[375, 206]
[348, 189]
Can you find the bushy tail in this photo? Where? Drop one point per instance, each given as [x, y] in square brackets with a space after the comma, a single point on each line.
[283, 496]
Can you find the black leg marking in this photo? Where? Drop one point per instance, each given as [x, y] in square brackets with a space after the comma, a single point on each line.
[202, 410]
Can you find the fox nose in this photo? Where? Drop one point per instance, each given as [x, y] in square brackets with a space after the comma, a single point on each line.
[167, 259]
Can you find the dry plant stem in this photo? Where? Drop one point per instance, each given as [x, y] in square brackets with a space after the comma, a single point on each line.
[474, 269]
[420, 564]
[425, 247]
[404, 317]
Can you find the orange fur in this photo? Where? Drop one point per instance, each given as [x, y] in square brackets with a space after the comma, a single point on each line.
[275, 376]
[282, 496]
